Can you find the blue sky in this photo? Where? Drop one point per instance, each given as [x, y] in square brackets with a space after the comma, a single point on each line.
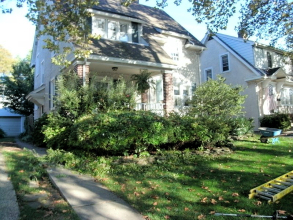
[17, 33]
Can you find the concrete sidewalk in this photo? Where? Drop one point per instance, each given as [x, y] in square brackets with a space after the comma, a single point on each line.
[89, 199]
[8, 203]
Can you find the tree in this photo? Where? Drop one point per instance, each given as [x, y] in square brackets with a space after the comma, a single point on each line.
[6, 61]
[17, 87]
[66, 21]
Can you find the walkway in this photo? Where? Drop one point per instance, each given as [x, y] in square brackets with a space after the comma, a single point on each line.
[89, 199]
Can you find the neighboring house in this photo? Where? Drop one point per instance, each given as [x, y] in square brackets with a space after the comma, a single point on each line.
[262, 70]
[134, 39]
[12, 124]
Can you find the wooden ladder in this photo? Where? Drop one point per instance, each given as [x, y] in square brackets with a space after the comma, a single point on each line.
[274, 189]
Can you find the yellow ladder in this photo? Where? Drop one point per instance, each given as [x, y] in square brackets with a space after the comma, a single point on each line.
[274, 189]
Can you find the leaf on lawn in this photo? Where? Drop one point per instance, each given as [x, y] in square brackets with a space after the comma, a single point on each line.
[236, 200]
[64, 211]
[204, 187]
[226, 202]
[241, 210]
[167, 194]
[220, 198]
[281, 212]
[136, 194]
[223, 181]
[167, 217]
[169, 208]
[258, 203]
[48, 214]
[201, 216]
[204, 200]
[211, 171]
[21, 171]
[235, 194]
[212, 212]
[138, 182]
[213, 201]
[158, 209]
[155, 203]
[186, 209]
[155, 196]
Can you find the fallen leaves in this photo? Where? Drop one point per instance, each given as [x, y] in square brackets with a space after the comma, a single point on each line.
[201, 216]
[235, 194]
[241, 210]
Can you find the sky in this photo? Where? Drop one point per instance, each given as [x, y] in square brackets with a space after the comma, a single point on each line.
[17, 33]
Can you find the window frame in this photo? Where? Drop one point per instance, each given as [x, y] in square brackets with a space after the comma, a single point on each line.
[205, 73]
[222, 64]
[52, 93]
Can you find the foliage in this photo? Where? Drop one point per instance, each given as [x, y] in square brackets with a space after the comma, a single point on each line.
[120, 132]
[17, 86]
[241, 126]
[175, 183]
[143, 81]
[215, 98]
[277, 120]
[2, 133]
[215, 104]
[6, 61]
[37, 134]
[67, 22]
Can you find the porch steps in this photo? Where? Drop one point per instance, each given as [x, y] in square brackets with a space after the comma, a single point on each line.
[274, 189]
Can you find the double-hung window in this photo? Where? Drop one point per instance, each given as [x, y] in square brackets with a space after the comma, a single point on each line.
[225, 66]
[112, 29]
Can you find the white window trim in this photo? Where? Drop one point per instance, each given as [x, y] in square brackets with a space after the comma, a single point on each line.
[107, 19]
[42, 70]
[221, 62]
[38, 66]
[205, 73]
[52, 93]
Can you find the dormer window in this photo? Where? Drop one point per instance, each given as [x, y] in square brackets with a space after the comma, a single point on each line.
[114, 29]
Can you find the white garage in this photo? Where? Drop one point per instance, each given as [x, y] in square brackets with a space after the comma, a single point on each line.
[11, 124]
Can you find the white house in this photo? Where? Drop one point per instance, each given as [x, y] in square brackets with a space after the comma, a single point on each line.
[134, 38]
[262, 70]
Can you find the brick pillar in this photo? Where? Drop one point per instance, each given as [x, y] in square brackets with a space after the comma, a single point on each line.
[168, 92]
[82, 70]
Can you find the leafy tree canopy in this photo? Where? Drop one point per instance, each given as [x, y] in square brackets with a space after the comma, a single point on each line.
[16, 86]
[67, 20]
[6, 61]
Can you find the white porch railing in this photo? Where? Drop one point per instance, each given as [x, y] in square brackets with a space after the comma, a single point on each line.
[286, 109]
[157, 108]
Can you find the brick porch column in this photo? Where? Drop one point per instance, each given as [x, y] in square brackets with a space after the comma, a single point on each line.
[168, 92]
[82, 69]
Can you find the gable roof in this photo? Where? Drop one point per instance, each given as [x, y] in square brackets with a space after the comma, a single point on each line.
[155, 22]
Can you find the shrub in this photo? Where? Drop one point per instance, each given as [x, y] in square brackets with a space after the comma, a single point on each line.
[277, 120]
[2, 133]
[120, 132]
[241, 126]
[37, 134]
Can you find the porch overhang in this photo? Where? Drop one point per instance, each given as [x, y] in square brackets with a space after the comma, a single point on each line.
[129, 62]
[37, 96]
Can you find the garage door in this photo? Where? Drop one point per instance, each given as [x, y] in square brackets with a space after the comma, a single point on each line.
[11, 125]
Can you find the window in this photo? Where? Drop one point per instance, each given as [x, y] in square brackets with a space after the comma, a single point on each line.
[269, 57]
[225, 63]
[208, 74]
[113, 29]
[287, 96]
[174, 49]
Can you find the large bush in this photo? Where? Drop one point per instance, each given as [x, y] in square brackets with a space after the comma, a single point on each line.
[277, 120]
[37, 133]
[215, 105]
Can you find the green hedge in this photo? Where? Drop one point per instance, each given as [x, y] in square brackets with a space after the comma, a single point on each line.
[278, 120]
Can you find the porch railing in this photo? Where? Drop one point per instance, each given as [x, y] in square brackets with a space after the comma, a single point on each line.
[157, 108]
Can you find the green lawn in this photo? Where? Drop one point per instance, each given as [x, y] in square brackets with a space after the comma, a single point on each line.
[188, 186]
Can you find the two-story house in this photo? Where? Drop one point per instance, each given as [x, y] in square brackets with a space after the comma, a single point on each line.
[262, 70]
[133, 39]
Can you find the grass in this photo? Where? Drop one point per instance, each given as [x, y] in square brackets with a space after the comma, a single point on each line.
[186, 186]
[24, 168]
